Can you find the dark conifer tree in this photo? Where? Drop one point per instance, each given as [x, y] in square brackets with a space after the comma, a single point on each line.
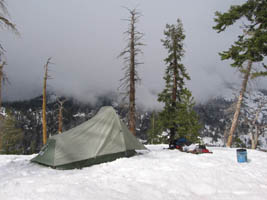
[175, 94]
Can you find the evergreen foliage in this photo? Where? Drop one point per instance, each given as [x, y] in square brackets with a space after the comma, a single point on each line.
[177, 117]
[10, 136]
[155, 132]
[187, 118]
[252, 44]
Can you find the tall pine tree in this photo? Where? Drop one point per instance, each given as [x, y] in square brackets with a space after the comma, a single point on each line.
[175, 96]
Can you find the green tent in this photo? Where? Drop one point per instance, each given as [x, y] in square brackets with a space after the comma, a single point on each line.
[101, 139]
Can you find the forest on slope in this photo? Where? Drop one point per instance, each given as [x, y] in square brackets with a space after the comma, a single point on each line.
[215, 117]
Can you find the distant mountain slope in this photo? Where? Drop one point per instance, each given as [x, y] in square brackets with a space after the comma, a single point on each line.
[29, 114]
[215, 115]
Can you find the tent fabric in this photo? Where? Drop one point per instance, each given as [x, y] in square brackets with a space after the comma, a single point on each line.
[102, 138]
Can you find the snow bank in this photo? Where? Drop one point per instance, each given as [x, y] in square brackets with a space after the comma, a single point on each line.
[158, 174]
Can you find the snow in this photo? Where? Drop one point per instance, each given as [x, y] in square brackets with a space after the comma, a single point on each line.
[156, 174]
[79, 115]
[210, 142]
[3, 112]
[164, 134]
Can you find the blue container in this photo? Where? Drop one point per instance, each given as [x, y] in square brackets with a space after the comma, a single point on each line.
[241, 155]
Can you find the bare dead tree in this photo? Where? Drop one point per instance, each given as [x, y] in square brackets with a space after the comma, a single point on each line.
[256, 125]
[129, 54]
[46, 77]
[60, 113]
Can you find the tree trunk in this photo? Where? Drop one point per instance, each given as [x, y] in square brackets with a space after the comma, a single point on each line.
[44, 113]
[172, 135]
[174, 89]
[44, 104]
[254, 138]
[60, 120]
[175, 71]
[239, 103]
[225, 135]
[253, 146]
[1, 80]
[60, 115]
[1, 131]
[132, 122]
[153, 127]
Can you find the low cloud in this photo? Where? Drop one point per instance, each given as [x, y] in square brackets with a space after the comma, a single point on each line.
[84, 39]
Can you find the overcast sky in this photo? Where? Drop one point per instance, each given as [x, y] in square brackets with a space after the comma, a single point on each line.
[84, 39]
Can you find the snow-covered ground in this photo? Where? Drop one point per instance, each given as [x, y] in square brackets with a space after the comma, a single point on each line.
[158, 174]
